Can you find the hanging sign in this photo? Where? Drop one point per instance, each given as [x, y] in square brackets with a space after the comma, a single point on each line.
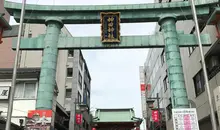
[110, 27]
[155, 115]
[78, 119]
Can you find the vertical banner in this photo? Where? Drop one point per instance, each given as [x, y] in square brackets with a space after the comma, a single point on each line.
[155, 115]
[110, 27]
[143, 91]
[78, 119]
[39, 119]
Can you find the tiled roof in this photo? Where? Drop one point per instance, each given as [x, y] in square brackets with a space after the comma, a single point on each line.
[115, 115]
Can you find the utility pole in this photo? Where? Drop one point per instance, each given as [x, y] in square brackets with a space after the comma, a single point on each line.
[214, 125]
[12, 90]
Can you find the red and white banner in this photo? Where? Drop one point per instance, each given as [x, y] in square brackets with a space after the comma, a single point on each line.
[39, 119]
[155, 115]
[78, 118]
[143, 91]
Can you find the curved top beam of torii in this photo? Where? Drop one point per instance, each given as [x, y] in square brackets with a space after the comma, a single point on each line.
[88, 14]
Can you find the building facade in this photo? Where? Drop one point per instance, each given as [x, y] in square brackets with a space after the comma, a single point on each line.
[72, 77]
[156, 73]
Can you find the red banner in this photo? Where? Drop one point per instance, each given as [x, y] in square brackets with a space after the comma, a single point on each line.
[78, 118]
[143, 88]
[155, 115]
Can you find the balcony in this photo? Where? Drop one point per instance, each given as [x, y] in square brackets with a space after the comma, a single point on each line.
[212, 58]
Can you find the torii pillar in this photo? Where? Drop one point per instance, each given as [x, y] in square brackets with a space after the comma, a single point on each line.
[174, 64]
[45, 94]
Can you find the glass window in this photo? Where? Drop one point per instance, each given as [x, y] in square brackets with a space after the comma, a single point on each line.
[25, 90]
[69, 72]
[162, 57]
[80, 80]
[191, 50]
[70, 53]
[81, 62]
[29, 91]
[165, 83]
[199, 83]
[68, 93]
[79, 97]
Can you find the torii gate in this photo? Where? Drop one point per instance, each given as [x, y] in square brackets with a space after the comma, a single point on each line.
[166, 14]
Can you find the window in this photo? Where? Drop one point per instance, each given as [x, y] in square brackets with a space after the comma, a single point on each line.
[199, 83]
[68, 93]
[29, 34]
[81, 62]
[191, 49]
[70, 53]
[162, 57]
[169, 111]
[79, 97]
[25, 90]
[80, 80]
[165, 83]
[69, 72]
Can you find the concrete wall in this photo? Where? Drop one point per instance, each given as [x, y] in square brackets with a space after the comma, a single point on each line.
[6, 50]
[2, 10]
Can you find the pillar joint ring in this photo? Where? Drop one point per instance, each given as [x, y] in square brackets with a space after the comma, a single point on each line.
[54, 20]
[166, 17]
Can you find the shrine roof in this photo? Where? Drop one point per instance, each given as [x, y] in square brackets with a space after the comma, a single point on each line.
[115, 115]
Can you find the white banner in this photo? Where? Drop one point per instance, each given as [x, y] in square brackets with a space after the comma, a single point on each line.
[4, 92]
[185, 119]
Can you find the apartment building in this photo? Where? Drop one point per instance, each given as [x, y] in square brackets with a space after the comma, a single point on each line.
[156, 73]
[72, 77]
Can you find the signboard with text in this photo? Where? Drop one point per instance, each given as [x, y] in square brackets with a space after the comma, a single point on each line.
[185, 119]
[4, 92]
[155, 115]
[39, 119]
[110, 27]
[78, 119]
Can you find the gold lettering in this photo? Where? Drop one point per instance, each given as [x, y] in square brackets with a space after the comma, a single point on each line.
[111, 29]
[111, 36]
[110, 25]
[110, 19]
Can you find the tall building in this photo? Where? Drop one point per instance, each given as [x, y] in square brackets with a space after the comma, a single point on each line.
[156, 71]
[72, 77]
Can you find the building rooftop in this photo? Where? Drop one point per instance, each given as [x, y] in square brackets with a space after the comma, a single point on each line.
[115, 115]
[4, 23]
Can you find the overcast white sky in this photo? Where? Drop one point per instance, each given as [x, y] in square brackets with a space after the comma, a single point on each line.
[115, 73]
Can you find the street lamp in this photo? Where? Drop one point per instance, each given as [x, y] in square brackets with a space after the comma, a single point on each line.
[150, 102]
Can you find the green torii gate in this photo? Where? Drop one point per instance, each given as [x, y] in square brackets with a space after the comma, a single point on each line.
[166, 14]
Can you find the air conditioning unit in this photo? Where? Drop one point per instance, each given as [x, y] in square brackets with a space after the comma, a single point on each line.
[213, 63]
